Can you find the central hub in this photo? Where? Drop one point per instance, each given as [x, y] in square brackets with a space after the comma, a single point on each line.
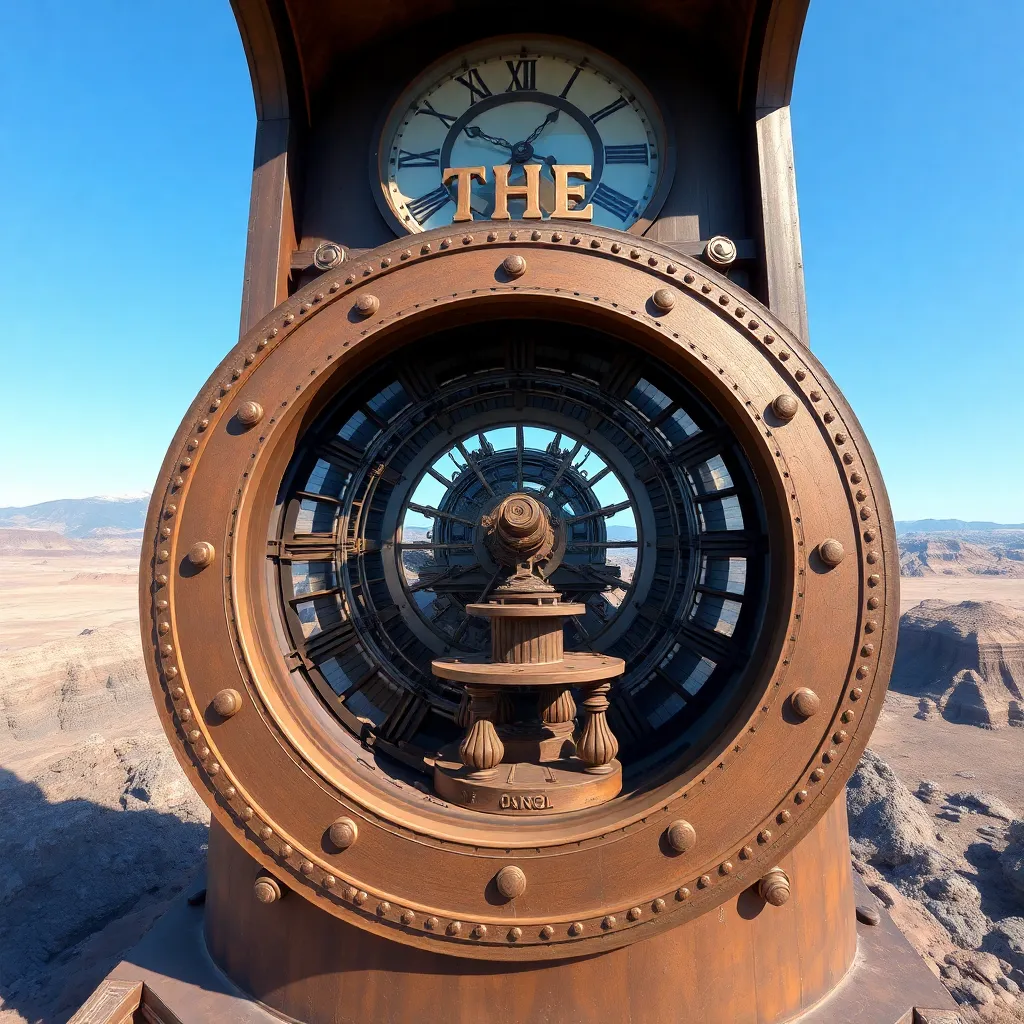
[522, 152]
[519, 531]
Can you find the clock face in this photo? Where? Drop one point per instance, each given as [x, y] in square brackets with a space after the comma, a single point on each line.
[521, 102]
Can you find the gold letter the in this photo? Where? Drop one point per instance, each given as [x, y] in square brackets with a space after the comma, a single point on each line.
[530, 191]
[564, 191]
[465, 177]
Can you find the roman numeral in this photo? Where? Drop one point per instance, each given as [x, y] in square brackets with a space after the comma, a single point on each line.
[446, 119]
[431, 158]
[604, 112]
[427, 205]
[475, 84]
[614, 202]
[524, 75]
[569, 84]
[623, 154]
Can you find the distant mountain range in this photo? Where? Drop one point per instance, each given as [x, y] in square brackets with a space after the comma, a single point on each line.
[109, 517]
[81, 517]
[905, 526]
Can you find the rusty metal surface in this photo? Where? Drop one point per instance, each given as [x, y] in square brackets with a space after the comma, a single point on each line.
[282, 769]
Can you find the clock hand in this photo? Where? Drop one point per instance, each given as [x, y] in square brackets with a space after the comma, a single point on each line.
[550, 119]
[476, 133]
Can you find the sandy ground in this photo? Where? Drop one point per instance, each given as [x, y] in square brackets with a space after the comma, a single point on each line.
[915, 589]
[47, 598]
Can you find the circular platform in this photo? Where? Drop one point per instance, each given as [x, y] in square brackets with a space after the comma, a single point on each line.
[524, 789]
[525, 610]
[573, 669]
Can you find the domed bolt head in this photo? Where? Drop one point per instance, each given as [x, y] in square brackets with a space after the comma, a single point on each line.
[681, 836]
[720, 251]
[267, 889]
[201, 554]
[805, 702]
[514, 265]
[785, 407]
[249, 414]
[664, 299]
[343, 833]
[511, 882]
[774, 887]
[831, 552]
[227, 702]
[367, 305]
[328, 255]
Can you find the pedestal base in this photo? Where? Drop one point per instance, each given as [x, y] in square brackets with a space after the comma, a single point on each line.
[744, 963]
[524, 788]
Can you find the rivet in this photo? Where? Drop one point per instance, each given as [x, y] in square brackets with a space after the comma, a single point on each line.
[202, 753]
[230, 792]
[557, 236]
[385, 263]
[608, 922]
[162, 579]
[329, 881]
[306, 867]
[249, 413]
[873, 603]
[783, 817]
[840, 438]
[815, 396]
[747, 852]
[720, 251]
[360, 898]
[165, 532]
[576, 928]
[764, 836]
[480, 931]
[704, 881]
[726, 867]
[383, 908]
[515, 934]
[162, 555]
[511, 882]
[723, 300]
[831, 552]
[706, 289]
[870, 626]
[431, 923]
[185, 714]
[805, 702]
[862, 671]
[201, 554]
[774, 888]
[739, 311]
[163, 627]
[633, 914]
[547, 933]
[664, 299]
[682, 893]
[785, 407]
[672, 268]
[246, 813]
[446, 243]
[514, 265]
[848, 458]
[616, 248]
[784, 356]
[865, 513]
[840, 736]
[652, 262]
[289, 318]
[202, 424]
[828, 417]
[266, 889]
[407, 917]
[166, 650]
[266, 833]
[689, 278]
[829, 756]
[867, 650]
[171, 671]
[634, 254]
[575, 240]
[227, 702]
[800, 796]
[874, 579]
[343, 833]
[658, 905]
[595, 243]
[856, 693]
[366, 305]
[177, 693]
[817, 775]
[681, 836]
[846, 716]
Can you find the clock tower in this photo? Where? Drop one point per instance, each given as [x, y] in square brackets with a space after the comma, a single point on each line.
[520, 591]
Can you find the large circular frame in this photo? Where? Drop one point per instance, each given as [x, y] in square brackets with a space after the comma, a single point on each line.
[279, 769]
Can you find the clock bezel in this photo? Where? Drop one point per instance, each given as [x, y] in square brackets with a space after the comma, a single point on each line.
[496, 46]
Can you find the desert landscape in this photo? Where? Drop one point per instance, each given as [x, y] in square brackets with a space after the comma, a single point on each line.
[100, 830]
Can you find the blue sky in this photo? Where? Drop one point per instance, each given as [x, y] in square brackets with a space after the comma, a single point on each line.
[127, 152]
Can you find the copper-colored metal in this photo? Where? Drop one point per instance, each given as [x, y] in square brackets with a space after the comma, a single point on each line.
[805, 702]
[266, 888]
[720, 251]
[227, 702]
[201, 554]
[511, 882]
[343, 833]
[681, 836]
[249, 413]
[774, 888]
[785, 407]
[831, 551]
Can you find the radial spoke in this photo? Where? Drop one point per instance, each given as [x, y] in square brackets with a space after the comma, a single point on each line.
[438, 477]
[429, 545]
[436, 513]
[585, 545]
[453, 572]
[562, 467]
[608, 510]
[475, 466]
[520, 446]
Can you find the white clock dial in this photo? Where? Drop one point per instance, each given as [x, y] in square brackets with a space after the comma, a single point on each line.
[519, 102]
